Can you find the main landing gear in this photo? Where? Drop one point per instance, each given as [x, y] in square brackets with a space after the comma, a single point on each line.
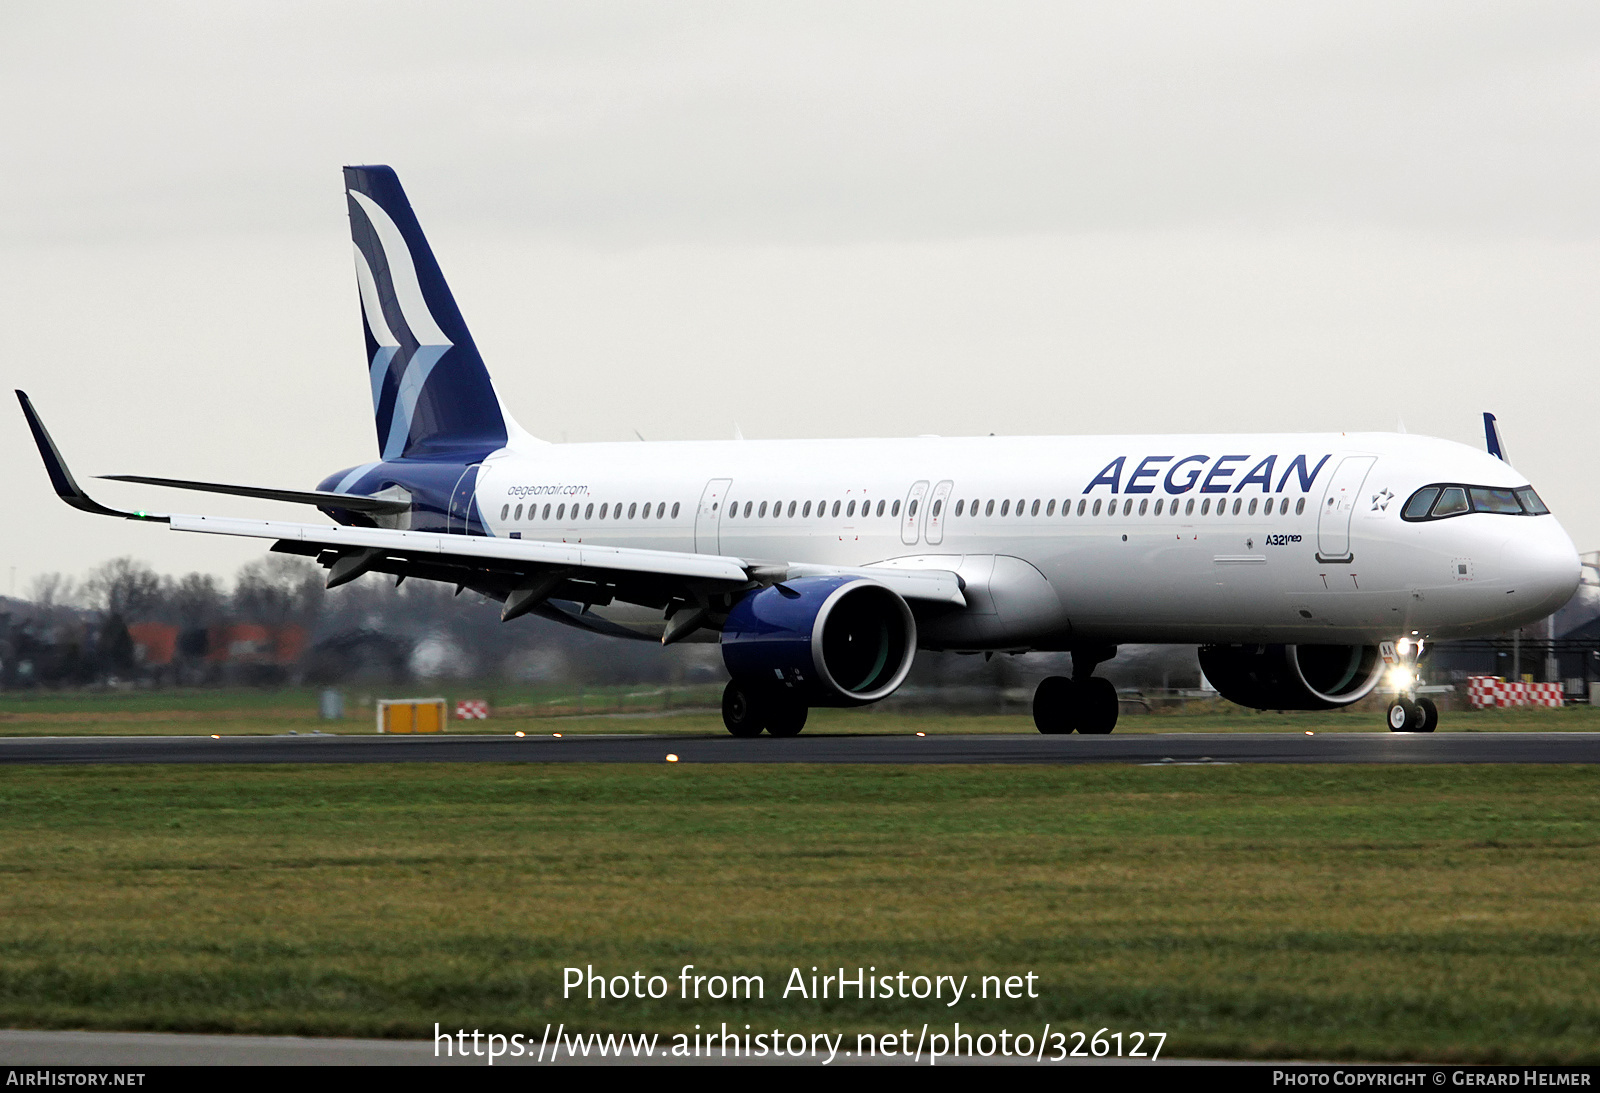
[1409, 712]
[749, 706]
[1086, 703]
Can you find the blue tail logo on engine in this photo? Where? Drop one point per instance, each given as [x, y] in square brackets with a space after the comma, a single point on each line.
[431, 394]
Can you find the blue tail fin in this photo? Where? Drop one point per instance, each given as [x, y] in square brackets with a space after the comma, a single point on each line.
[431, 394]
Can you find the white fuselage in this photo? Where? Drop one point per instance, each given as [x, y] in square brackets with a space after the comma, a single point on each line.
[1258, 538]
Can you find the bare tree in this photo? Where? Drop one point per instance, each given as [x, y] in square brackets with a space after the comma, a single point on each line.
[52, 590]
[278, 589]
[124, 588]
[194, 599]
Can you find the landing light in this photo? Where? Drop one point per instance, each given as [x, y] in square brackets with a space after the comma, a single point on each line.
[1400, 678]
[556, 735]
[922, 734]
[671, 758]
[521, 733]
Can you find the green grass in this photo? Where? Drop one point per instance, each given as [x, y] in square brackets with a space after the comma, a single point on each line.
[1440, 913]
[658, 710]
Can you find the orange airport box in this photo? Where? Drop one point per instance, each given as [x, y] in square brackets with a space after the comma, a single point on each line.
[411, 715]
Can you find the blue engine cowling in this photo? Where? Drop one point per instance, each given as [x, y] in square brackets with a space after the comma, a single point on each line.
[838, 641]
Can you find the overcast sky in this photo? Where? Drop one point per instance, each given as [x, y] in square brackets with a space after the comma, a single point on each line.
[805, 219]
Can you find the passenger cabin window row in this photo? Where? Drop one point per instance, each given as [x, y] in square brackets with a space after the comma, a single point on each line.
[1441, 500]
[762, 510]
[635, 510]
[1126, 507]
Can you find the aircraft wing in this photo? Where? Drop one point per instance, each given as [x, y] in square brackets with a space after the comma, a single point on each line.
[523, 573]
[475, 561]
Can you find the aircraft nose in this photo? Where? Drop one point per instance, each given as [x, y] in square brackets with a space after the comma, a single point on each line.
[1542, 565]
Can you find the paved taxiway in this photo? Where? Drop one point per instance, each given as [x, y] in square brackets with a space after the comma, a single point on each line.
[1562, 747]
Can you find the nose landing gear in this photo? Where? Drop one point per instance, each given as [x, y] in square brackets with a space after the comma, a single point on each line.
[1409, 712]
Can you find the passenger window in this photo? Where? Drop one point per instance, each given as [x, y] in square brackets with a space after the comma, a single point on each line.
[762, 511]
[880, 508]
[588, 511]
[1127, 507]
[1205, 507]
[850, 509]
[546, 514]
[602, 512]
[1144, 504]
[504, 511]
[1531, 503]
[1283, 507]
[561, 513]
[1417, 507]
[1020, 503]
[937, 505]
[988, 510]
[1451, 501]
[675, 505]
[1096, 507]
[1188, 508]
[959, 506]
[1503, 502]
[894, 509]
[791, 510]
[1050, 509]
[661, 510]
[1082, 503]
[1252, 506]
[1236, 503]
[806, 512]
[1300, 506]
[836, 508]
[517, 515]
[1035, 510]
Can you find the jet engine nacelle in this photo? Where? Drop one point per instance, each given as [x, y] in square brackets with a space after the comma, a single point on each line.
[1292, 677]
[838, 641]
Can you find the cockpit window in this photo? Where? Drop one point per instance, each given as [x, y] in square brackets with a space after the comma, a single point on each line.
[1502, 501]
[1417, 507]
[1440, 500]
[1452, 501]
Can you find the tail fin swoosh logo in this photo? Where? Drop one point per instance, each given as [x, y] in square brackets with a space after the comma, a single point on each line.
[404, 360]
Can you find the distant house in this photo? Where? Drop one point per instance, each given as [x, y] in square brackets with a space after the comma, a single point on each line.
[154, 644]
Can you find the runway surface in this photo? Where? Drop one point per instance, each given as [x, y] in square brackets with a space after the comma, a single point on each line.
[1564, 747]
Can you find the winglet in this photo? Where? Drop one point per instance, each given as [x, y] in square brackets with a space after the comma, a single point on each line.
[66, 486]
[1491, 437]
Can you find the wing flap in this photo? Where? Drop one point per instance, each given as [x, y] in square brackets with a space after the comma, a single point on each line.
[531, 552]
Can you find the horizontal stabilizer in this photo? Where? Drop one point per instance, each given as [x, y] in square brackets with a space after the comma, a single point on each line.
[327, 499]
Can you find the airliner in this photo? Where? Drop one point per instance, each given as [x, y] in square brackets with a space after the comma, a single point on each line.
[1309, 568]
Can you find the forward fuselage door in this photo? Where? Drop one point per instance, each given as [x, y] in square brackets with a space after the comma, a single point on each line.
[708, 518]
[936, 512]
[1338, 506]
[911, 515]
